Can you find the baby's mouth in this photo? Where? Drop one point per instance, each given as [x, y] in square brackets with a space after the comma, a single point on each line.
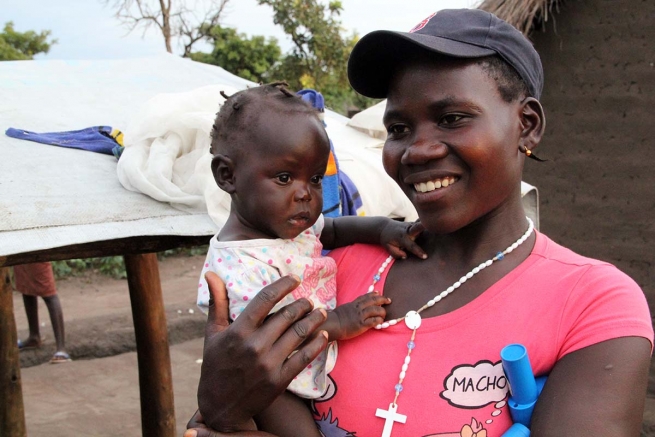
[299, 219]
[424, 187]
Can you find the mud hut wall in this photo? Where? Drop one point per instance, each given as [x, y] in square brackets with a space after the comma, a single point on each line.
[598, 190]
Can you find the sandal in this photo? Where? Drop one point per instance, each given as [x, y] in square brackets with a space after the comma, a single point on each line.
[60, 357]
[24, 346]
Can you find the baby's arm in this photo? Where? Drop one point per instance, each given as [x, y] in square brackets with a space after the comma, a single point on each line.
[287, 416]
[397, 237]
[356, 317]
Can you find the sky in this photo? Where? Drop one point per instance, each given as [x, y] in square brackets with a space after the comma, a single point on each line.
[87, 29]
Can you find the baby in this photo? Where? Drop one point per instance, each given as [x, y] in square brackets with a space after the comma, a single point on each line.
[270, 154]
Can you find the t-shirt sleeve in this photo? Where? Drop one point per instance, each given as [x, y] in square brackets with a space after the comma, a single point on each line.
[244, 276]
[605, 304]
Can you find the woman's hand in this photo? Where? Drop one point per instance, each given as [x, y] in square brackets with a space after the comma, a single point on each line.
[247, 364]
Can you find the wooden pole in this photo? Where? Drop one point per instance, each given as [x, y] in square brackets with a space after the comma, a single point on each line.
[12, 413]
[155, 378]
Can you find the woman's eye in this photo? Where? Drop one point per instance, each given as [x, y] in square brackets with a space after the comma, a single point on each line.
[451, 118]
[284, 178]
[317, 179]
[396, 129]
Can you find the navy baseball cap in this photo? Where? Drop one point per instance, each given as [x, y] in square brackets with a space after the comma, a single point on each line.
[460, 33]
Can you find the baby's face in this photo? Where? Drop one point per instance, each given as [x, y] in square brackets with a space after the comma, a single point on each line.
[279, 184]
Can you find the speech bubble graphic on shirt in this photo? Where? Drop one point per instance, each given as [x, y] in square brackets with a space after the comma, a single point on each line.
[475, 386]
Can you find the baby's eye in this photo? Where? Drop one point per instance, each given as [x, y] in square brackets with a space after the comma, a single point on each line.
[316, 179]
[450, 119]
[283, 178]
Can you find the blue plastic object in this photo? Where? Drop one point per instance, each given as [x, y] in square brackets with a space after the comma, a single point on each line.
[524, 388]
[517, 430]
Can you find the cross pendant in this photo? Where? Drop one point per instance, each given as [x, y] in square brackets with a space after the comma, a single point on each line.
[390, 416]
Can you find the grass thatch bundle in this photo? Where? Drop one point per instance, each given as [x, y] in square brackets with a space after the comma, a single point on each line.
[522, 14]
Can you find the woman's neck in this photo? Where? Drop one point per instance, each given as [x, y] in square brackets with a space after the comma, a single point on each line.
[450, 256]
[486, 235]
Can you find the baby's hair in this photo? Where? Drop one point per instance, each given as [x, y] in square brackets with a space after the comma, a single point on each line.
[243, 109]
[510, 85]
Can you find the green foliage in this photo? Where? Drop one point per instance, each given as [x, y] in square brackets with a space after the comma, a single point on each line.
[319, 56]
[112, 266]
[17, 46]
[250, 58]
[318, 59]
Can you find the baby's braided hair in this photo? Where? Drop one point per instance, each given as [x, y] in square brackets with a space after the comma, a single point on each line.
[243, 109]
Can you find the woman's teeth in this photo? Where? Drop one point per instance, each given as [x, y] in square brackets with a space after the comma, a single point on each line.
[424, 187]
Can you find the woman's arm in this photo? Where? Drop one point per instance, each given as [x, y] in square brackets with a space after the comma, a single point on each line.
[246, 364]
[596, 391]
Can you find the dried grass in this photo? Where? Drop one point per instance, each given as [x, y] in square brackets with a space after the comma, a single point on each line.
[522, 14]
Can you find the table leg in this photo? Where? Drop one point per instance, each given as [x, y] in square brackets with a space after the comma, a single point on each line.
[12, 414]
[155, 379]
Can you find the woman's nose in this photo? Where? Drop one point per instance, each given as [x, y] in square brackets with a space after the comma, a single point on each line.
[423, 150]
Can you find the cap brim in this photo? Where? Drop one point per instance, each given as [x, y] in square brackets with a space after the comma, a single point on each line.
[377, 55]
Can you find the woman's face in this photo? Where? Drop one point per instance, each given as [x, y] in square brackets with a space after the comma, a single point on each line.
[452, 143]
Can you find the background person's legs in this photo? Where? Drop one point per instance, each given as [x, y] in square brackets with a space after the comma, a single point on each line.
[32, 312]
[38, 280]
[57, 320]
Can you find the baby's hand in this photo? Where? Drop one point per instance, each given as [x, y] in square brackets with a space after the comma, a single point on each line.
[360, 315]
[398, 237]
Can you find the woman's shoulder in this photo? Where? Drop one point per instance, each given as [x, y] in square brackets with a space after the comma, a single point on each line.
[597, 301]
[590, 282]
[556, 259]
[550, 250]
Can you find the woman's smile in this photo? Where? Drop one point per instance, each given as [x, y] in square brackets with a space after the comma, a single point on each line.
[435, 184]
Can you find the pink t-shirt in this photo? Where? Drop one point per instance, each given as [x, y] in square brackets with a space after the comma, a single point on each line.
[554, 303]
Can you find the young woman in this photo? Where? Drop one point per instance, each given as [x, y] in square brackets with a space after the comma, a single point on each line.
[462, 115]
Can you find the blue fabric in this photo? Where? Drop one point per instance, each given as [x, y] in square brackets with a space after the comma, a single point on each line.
[351, 201]
[95, 139]
[331, 190]
[340, 195]
[314, 97]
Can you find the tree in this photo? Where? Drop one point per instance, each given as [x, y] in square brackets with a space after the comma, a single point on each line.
[319, 56]
[172, 17]
[250, 58]
[17, 46]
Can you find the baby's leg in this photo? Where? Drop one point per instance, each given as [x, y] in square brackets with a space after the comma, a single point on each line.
[288, 416]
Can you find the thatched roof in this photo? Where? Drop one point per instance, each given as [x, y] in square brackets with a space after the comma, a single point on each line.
[522, 14]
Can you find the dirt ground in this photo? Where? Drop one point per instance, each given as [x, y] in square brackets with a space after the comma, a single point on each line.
[97, 394]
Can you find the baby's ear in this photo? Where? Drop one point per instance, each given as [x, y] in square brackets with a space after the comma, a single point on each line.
[223, 171]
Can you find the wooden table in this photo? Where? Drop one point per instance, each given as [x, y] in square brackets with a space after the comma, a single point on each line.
[155, 380]
[58, 203]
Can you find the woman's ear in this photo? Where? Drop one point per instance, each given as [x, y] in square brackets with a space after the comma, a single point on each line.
[533, 123]
[223, 171]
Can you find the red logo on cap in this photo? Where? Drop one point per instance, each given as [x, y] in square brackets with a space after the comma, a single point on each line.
[422, 24]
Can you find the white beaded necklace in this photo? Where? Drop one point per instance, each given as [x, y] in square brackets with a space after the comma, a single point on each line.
[413, 321]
